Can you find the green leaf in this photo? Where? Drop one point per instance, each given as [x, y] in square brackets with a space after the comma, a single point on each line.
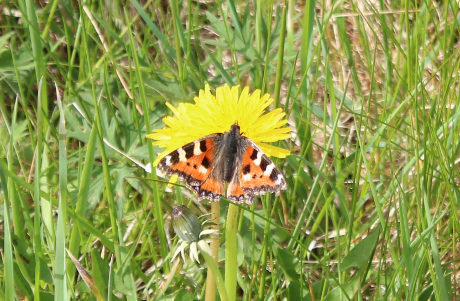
[163, 89]
[289, 263]
[44, 296]
[345, 291]
[21, 283]
[23, 60]
[101, 273]
[183, 295]
[26, 262]
[229, 37]
[360, 255]
[297, 291]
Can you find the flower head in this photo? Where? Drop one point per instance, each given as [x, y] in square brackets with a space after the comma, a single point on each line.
[217, 113]
[186, 224]
[190, 233]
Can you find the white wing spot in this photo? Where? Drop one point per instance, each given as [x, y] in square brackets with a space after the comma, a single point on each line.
[247, 177]
[269, 169]
[196, 149]
[278, 181]
[258, 159]
[181, 155]
[202, 169]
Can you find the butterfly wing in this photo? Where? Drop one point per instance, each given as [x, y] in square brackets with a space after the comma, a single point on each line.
[256, 175]
[193, 163]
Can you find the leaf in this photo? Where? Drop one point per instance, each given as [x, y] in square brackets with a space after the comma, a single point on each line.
[44, 296]
[289, 263]
[360, 255]
[23, 59]
[231, 38]
[87, 278]
[183, 295]
[163, 89]
[344, 292]
[26, 262]
[102, 274]
[22, 284]
[297, 291]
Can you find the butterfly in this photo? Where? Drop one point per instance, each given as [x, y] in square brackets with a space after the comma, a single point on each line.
[228, 159]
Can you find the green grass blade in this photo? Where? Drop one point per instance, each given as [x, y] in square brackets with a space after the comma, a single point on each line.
[235, 17]
[8, 243]
[40, 73]
[280, 63]
[157, 201]
[60, 263]
[170, 55]
[82, 198]
[38, 247]
[228, 80]
[179, 39]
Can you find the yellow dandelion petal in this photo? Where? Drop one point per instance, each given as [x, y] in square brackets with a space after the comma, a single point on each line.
[274, 151]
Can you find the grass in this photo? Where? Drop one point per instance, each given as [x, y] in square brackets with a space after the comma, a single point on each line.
[371, 90]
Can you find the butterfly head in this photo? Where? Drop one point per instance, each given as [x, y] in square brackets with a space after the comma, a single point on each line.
[235, 130]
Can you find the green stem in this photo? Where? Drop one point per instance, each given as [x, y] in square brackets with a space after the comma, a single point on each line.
[264, 258]
[231, 252]
[210, 279]
[215, 271]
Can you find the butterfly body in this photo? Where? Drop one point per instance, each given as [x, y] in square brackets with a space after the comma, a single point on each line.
[228, 159]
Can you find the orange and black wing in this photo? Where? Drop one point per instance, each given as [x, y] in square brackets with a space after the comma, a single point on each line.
[257, 175]
[193, 164]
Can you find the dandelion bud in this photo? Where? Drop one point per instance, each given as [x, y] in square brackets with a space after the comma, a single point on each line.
[186, 224]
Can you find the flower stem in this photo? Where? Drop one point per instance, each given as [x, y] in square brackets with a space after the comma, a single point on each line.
[210, 294]
[219, 281]
[231, 264]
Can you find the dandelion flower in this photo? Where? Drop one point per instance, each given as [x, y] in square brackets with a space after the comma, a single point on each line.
[242, 118]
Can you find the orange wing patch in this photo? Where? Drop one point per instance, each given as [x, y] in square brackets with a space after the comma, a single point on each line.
[210, 189]
[235, 192]
[258, 174]
[192, 162]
